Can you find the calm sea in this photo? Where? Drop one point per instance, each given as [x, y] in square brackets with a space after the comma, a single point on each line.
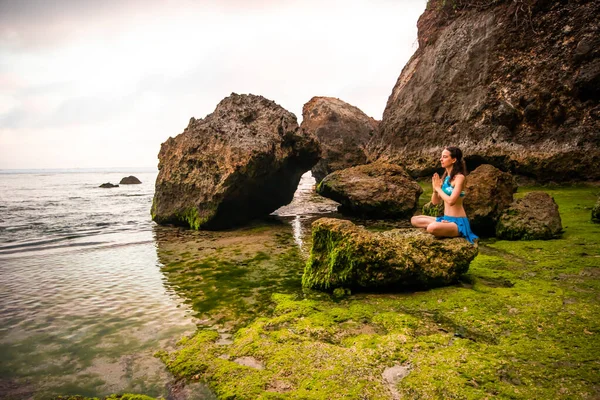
[83, 303]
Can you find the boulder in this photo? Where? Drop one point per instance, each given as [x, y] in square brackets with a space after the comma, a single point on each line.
[108, 185]
[533, 217]
[349, 256]
[489, 191]
[241, 162]
[596, 212]
[342, 131]
[130, 180]
[433, 210]
[377, 190]
[514, 84]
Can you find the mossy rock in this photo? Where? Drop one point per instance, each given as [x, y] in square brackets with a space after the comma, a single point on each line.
[596, 212]
[346, 255]
[433, 210]
[126, 396]
[533, 217]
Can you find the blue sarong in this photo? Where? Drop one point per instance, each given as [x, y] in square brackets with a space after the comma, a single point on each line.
[464, 228]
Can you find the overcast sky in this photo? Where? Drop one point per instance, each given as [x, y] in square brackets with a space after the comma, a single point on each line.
[102, 83]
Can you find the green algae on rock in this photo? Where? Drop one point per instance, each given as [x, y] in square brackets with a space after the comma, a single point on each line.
[522, 324]
[533, 217]
[346, 255]
[125, 396]
[433, 210]
[596, 212]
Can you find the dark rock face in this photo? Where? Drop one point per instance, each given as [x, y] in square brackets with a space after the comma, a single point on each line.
[515, 84]
[489, 191]
[342, 131]
[596, 212]
[345, 255]
[108, 185]
[377, 190]
[240, 162]
[130, 180]
[533, 217]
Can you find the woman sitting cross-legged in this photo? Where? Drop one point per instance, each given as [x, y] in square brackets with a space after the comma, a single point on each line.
[449, 189]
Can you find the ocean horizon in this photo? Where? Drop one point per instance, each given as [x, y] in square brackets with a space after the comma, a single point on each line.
[76, 170]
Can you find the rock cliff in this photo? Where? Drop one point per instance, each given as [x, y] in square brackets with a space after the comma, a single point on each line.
[240, 162]
[514, 83]
[342, 131]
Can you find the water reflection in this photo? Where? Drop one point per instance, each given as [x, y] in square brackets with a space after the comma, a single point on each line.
[88, 325]
[228, 277]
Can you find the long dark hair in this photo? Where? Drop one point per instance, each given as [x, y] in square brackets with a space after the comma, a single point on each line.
[459, 167]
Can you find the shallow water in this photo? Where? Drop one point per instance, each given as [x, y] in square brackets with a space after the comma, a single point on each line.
[91, 288]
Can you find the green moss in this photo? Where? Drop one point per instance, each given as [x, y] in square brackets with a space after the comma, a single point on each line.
[596, 212]
[522, 324]
[433, 210]
[125, 396]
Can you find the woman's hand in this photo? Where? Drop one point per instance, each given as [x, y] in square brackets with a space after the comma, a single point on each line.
[436, 182]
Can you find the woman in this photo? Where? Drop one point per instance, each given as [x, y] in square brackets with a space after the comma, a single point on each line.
[449, 189]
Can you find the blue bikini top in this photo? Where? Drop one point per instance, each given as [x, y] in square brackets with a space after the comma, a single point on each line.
[448, 189]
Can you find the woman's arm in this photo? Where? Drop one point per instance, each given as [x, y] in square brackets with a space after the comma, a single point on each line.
[459, 181]
[435, 198]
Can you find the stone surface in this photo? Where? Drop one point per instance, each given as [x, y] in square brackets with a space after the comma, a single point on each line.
[535, 216]
[130, 180]
[240, 162]
[346, 255]
[489, 191]
[506, 82]
[377, 190]
[596, 212]
[342, 131]
[108, 185]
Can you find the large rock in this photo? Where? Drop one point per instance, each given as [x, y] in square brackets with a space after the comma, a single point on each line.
[346, 255]
[342, 131]
[377, 190]
[515, 84]
[596, 212]
[489, 191]
[533, 217]
[240, 162]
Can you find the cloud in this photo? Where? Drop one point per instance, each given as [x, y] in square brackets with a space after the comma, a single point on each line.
[137, 71]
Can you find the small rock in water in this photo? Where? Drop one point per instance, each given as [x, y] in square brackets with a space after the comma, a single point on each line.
[130, 180]
[108, 185]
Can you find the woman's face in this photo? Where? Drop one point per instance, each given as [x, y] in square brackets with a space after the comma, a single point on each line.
[446, 159]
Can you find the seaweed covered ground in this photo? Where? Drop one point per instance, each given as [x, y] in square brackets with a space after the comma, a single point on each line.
[523, 323]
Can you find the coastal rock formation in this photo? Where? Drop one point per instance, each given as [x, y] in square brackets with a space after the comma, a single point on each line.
[130, 180]
[108, 185]
[596, 212]
[377, 190]
[533, 217]
[515, 84]
[342, 131]
[346, 255]
[489, 191]
[240, 162]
